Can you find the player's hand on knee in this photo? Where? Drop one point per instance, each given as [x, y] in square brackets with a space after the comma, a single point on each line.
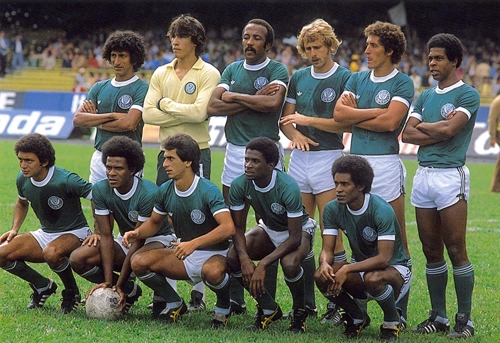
[92, 240]
[8, 236]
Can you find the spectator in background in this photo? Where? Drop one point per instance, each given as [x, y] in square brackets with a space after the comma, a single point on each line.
[18, 57]
[79, 60]
[33, 59]
[4, 49]
[48, 59]
[416, 78]
[92, 61]
[151, 63]
[66, 59]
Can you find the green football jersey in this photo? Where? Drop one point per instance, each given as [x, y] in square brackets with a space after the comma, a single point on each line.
[280, 200]
[56, 200]
[375, 221]
[127, 209]
[434, 105]
[192, 212]
[315, 95]
[112, 96]
[378, 92]
[242, 78]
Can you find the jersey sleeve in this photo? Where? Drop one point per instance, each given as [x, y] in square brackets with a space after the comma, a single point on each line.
[417, 108]
[279, 75]
[146, 203]
[139, 96]
[99, 198]
[469, 102]
[215, 200]
[75, 185]
[330, 214]
[19, 184]
[404, 91]
[225, 79]
[351, 84]
[292, 200]
[291, 95]
[386, 223]
[236, 195]
[160, 205]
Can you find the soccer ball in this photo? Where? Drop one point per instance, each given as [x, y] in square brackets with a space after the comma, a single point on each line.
[103, 304]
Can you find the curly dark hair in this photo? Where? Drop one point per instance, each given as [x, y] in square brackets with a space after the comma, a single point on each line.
[267, 147]
[391, 38]
[39, 145]
[269, 28]
[123, 146]
[358, 167]
[186, 148]
[453, 47]
[185, 26]
[127, 41]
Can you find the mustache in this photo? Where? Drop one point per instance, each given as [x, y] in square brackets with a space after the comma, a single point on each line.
[250, 49]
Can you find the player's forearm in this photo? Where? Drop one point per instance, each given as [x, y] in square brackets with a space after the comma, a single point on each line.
[217, 107]
[107, 256]
[350, 116]
[20, 212]
[82, 119]
[259, 103]
[188, 113]
[154, 116]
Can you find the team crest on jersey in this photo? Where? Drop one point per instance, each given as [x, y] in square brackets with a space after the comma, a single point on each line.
[133, 216]
[446, 109]
[328, 95]
[55, 203]
[277, 208]
[190, 88]
[369, 234]
[197, 216]
[260, 82]
[125, 102]
[383, 97]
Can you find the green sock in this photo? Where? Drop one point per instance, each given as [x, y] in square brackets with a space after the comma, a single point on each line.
[236, 291]
[296, 286]
[437, 280]
[160, 286]
[309, 267]
[265, 301]
[66, 274]
[270, 280]
[25, 272]
[464, 285]
[351, 307]
[387, 303]
[222, 292]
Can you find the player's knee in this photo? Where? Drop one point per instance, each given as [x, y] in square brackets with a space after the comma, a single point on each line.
[139, 264]
[374, 282]
[52, 255]
[77, 262]
[213, 271]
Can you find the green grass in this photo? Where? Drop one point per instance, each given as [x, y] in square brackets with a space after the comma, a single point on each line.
[47, 325]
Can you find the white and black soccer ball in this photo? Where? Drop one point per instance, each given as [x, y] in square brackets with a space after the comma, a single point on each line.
[103, 304]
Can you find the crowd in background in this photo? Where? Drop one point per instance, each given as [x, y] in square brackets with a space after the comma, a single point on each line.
[480, 68]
